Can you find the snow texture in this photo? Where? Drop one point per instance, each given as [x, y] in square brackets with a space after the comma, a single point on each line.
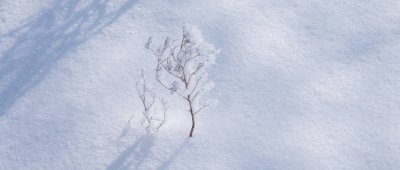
[300, 84]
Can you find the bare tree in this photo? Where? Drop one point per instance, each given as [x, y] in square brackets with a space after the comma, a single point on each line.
[181, 69]
[155, 108]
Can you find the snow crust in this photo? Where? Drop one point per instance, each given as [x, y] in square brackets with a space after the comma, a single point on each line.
[300, 84]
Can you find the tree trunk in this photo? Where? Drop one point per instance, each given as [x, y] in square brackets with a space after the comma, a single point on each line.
[191, 114]
[191, 130]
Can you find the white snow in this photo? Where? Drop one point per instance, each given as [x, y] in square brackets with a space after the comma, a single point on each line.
[300, 84]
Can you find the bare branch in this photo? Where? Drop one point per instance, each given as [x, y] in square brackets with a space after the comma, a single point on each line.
[197, 54]
[199, 67]
[203, 107]
[143, 92]
[148, 99]
[170, 72]
[195, 86]
[196, 94]
[164, 108]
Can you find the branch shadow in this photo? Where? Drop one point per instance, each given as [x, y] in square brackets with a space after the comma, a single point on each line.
[134, 155]
[171, 159]
[48, 37]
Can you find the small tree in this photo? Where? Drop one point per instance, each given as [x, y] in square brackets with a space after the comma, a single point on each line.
[181, 68]
[155, 108]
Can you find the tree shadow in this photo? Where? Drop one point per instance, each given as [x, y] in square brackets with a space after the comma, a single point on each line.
[48, 37]
[168, 162]
[134, 155]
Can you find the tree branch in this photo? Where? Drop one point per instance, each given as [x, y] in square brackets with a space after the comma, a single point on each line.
[204, 106]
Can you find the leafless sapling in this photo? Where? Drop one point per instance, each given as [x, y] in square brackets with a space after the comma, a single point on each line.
[155, 108]
[181, 68]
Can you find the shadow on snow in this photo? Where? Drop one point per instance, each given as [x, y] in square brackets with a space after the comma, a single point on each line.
[45, 39]
[135, 155]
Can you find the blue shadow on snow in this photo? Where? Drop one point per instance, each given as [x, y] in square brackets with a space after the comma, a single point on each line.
[45, 39]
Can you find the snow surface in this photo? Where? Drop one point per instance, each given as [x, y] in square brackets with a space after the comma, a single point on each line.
[300, 84]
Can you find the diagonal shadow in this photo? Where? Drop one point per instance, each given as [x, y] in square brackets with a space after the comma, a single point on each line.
[170, 160]
[47, 38]
[134, 155]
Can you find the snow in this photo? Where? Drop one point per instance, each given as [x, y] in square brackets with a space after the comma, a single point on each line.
[300, 85]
